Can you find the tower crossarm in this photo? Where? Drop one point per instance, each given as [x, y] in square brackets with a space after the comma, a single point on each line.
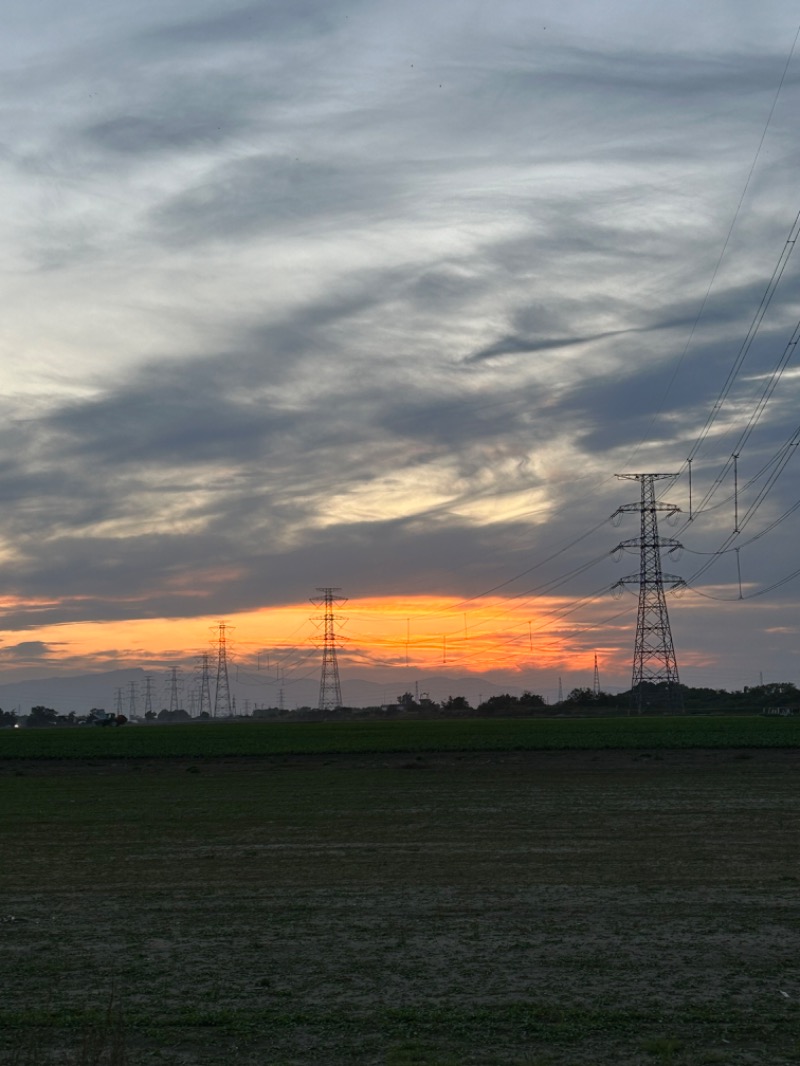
[659, 542]
[635, 508]
[671, 580]
[639, 477]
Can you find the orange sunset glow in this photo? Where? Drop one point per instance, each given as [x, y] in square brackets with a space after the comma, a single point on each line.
[423, 633]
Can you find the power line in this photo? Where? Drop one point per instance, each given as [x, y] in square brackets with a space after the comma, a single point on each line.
[718, 264]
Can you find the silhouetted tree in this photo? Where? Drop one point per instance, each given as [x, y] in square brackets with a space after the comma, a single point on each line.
[456, 703]
[505, 703]
[42, 716]
[580, 696]
[531, 700]
[178, 715]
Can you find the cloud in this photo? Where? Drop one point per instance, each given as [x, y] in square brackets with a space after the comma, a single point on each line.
[29, 653]
[245, 197]
[511, 345]
[305, 294]
[243, 23]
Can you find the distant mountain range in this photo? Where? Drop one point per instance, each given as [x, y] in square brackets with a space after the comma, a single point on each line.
[126, 689]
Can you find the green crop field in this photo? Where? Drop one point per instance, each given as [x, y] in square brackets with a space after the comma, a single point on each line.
[417, 909]
[474, 734]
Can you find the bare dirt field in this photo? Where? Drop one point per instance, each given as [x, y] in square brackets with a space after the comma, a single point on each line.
[530, 908]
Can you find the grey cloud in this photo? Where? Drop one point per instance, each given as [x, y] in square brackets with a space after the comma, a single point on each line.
[513, 345]
[166, 424]
[244, 23]
[181, 576]
[661, 75]
[250, 196]
[137, 134]
[28, 652]
[181, 109]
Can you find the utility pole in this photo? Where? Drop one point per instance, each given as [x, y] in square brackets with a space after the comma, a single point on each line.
[330, 689]
[655, 669]
[222, 694]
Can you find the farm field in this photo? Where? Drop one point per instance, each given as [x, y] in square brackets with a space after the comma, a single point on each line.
[243, 738]
[499, 907]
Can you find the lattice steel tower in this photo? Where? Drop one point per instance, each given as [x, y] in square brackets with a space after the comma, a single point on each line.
[222, 693]
[148, 695]
[174, 698]
[205, 686]
[655, 669]
[330, 689]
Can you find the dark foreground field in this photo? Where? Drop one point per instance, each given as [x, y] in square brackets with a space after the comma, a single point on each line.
[614, 907]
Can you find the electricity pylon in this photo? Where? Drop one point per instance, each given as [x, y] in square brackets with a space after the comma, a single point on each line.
[148, 696]
[596, 678]
[205, 687]
[330, 689]
[174, 699]
[222, 694]
[654, 662]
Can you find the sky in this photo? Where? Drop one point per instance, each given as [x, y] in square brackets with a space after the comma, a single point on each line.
[381, 297]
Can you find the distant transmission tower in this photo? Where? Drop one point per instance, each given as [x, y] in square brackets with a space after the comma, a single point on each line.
[596, 681]
[132, 700]
[205, 687]
[655, 670]
[148, 695]
[174, 699]
[330, 689]
[222, 694]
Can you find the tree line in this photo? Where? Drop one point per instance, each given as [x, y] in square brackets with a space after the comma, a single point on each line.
[774, 697]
